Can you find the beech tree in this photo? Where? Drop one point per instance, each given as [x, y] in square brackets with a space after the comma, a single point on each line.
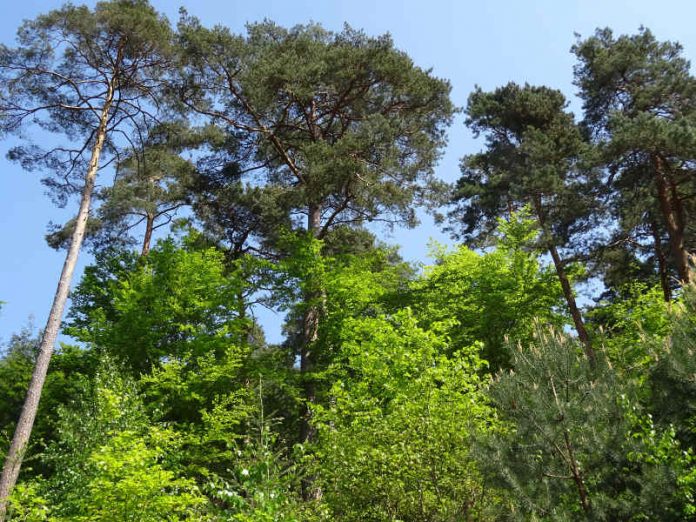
[532, 158]
[88, 76]
[344, 127]
[639, 98]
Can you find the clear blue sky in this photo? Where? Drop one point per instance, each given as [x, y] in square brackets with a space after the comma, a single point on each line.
[469, 42]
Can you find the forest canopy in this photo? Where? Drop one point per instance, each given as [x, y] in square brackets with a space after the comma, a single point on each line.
[220, 173]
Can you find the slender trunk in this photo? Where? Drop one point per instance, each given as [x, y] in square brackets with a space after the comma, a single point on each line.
[310, 331]
[567, 289]
[661, 261]
[248, 326]
[15, 454]
[310, 334]
[149, 227]
[572, 305]
[577, 475]
[673, 214]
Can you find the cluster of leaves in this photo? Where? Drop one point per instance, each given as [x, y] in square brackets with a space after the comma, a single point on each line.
[409, 424]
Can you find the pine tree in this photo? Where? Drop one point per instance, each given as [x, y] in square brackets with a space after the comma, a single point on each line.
[342, 128]
[578, 444]
[639, 98]
[152, 183]
[533, 157]
[88, 75]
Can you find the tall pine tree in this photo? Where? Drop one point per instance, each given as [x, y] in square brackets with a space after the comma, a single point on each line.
[88, 76]
[639, 98]
[532, 158]
[345, 128]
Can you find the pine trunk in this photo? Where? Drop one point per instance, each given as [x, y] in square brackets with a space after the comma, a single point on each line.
[673, 215]
[661, 261]
[149, 227]
[15, 454]
[310, 334]
[567, 289]
[572, 305]
[577, 475]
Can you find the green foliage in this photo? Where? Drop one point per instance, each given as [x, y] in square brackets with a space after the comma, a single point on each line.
[637, 97]
[342, 287]
[176, 304]
[533, 157]
[632, 326]
[130, 483]
[109, 463]
[394, 437]
[659, 446]
[154, 182]
[70, 369]
[356, 125]
[673, 376]
[576, 441]
[440, 396]
[492, 296]
[16, 365]
[262, 481]
[68, 65]
[303, 271]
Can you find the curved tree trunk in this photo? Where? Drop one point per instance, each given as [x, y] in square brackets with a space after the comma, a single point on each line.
[15, 454]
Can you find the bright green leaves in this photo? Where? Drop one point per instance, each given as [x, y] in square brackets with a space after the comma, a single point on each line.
[633, 329]
[490, 297]
[130, 483]
[178, 319]
[394, 438]
[175, 304]
[109, 464]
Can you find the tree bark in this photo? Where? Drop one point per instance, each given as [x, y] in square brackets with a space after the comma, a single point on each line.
[673, 215]
[661, 261]
[15, 454]
[567, 289]
[577, 475]
[149, 227]
[310, 333]
[572, 306]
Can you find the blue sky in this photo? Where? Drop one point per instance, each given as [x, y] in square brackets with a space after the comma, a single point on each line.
[483, 42]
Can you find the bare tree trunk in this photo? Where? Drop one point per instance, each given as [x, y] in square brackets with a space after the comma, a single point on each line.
[572, 305]
[13, 461]
[661, 261]
[149, 227]
[673, 215]
[567, 289]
